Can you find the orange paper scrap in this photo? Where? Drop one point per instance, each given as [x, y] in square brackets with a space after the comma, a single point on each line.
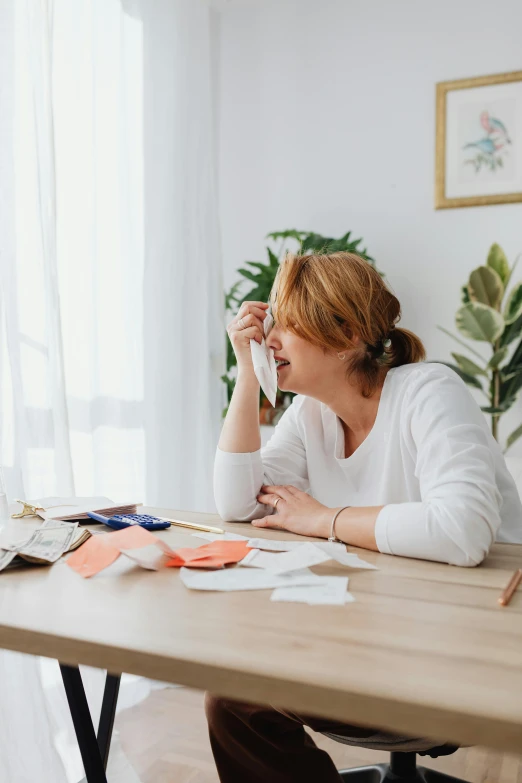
[214, 555]
[101, 551]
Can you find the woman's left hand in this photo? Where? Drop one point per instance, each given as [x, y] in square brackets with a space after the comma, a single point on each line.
[294, 511]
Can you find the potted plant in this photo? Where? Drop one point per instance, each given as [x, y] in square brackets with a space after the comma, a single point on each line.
[255, 283]
[491, 312]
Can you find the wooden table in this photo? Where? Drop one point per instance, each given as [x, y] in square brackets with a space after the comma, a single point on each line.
[425, 649]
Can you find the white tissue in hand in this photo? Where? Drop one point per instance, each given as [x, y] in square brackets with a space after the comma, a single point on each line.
[264, 363]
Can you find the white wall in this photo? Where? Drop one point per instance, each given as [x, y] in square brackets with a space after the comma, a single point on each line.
[327, 123]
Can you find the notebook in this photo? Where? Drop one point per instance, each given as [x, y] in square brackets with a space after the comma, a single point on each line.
[74, 509]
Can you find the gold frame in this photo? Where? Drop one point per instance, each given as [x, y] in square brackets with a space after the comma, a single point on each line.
[441, 202]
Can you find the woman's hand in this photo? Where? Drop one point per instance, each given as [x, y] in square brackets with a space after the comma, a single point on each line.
[246, 326]
[295, 511]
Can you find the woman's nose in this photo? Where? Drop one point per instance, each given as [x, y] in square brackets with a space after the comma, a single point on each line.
[273, 341]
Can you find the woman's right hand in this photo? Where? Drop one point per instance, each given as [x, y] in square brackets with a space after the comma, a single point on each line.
[246, 326]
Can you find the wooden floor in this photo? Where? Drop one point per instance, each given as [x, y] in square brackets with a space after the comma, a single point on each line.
[165, 737]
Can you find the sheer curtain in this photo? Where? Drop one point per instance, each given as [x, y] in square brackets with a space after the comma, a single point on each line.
[111, 330]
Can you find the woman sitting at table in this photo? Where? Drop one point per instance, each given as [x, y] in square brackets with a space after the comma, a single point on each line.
[379, 450]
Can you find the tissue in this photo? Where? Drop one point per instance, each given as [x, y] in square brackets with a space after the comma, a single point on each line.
[264, 363]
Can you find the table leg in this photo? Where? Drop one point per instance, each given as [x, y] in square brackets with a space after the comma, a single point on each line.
[94, 750]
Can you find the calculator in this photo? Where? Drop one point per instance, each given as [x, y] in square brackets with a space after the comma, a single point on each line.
[121, 521]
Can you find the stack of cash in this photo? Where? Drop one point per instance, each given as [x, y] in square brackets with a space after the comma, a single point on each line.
[45, 546]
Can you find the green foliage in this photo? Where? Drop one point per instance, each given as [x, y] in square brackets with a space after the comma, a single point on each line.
[479, 322]
[489, 314]
[257, 278]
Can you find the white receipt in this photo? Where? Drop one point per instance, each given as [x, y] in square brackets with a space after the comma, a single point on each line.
[338, 553]
[305, 556]
[332, 592]
[272, 545]
[333, 549]
[221, 536]
[150, 556]
[264, 363]
[245, 579]
[258, 559]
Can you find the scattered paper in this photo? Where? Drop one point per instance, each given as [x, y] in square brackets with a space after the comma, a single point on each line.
[151, 557]
[258, 559]
[273, 545]
[217, 554]
[221, 536]
[245, 579]
[150, 552]
[305, 556]
[336, 551]
[332, 591]
[99, 552]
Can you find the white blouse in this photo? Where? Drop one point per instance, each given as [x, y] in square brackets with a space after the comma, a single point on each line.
[429, 459]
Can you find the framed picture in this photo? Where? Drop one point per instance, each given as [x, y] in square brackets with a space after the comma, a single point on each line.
[479, 141]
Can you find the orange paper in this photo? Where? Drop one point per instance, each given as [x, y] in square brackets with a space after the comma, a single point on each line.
[101, 551]
[214, 555]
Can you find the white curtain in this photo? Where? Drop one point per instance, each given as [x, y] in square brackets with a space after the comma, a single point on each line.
[111, 329]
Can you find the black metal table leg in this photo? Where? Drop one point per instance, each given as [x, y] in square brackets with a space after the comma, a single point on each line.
[94, 750]
[107, 715]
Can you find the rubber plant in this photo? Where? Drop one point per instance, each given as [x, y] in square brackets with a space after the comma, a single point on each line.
[491, 312]
[257, 278]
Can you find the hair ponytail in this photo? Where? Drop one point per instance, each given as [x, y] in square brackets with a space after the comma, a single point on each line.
[405, 348]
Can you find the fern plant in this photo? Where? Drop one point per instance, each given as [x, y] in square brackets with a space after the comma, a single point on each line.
[257, 278]
[489, 314]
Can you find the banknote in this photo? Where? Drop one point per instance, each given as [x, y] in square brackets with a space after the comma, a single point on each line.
[82, 533]
[47, 544]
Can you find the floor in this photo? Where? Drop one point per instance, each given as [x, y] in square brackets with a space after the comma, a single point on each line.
[174, 748]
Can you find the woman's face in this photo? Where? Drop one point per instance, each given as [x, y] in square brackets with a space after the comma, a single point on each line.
[304, 368]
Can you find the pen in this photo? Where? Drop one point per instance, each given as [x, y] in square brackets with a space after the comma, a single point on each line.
[512, 585]
[192, 525]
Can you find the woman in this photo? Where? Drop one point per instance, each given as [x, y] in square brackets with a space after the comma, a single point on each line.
[379, 450]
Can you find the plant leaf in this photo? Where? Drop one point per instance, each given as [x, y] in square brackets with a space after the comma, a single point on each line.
[464, 295]
[499, 409]
[467, 366]
[479, 322]
[515, 435]
[513, 306]
[459, 341]
[249, 275]
[290, 233]
[511, 332]
[273, 260]
[497, 260]
[486, 286]
[497, 358]
[469, 379]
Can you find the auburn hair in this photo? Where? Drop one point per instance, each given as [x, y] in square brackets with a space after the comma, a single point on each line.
[331, 299]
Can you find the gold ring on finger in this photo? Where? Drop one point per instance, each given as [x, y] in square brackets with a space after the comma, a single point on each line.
[242, 324]
[277, 501]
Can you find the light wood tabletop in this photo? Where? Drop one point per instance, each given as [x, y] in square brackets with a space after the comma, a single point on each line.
[425, 649]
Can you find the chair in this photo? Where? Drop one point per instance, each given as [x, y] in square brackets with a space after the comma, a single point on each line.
[402, 769]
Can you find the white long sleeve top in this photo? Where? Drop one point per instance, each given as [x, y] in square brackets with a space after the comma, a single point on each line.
[429, 460]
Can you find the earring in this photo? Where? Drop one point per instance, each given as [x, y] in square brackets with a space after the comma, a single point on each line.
[341, 356]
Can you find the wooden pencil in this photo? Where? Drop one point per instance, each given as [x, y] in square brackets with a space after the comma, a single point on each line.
[510, 588]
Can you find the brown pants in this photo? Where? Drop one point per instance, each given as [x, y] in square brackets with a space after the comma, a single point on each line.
[255, 744]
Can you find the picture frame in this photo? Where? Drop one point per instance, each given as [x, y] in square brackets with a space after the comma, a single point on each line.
[478, 159]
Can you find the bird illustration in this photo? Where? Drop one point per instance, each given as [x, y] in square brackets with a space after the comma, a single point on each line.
[487, 146]
[491, 125]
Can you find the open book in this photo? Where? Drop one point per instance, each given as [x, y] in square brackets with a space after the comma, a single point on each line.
[74, 509]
